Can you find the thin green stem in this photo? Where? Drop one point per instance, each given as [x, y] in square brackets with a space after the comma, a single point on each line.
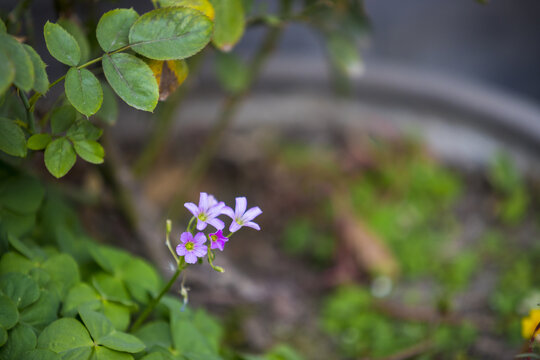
[168, 242]
[156, 300]
[29, 113]
[189, 229]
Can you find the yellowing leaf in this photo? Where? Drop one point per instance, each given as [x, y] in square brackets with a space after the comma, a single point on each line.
[169, 75]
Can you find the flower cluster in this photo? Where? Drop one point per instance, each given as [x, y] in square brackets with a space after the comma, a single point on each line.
[192, 246]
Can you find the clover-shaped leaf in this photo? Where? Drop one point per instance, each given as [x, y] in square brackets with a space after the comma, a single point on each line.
[20, 288]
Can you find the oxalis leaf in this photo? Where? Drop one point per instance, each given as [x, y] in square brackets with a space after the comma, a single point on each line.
[103, 333]
[24, 69]
[170, 33]
[67, 337]
[59, 157]
[20, 288]
[83, 91]
[61, 44]
[20, 340]
[113, 28]
[229, 23]
[12, 140]
[9, 316]
[132, 80]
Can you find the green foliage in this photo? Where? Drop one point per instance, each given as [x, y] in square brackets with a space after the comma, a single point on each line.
[12, 139]
[75, 30]
[507, 181]
[59, 157]
[351, 317]
[231, 72]
[7, 71]
[229, 23]
[17, 55]
[132, 80]
[170, 33]
[83, 91]
[61, 44]
[302, 237]
[38, 141]
[113, 28]
[41, 80]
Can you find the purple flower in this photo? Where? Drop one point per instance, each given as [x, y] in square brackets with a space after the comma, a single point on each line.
[240, 216]
[191, 247]
[217, 240]
[207, 211]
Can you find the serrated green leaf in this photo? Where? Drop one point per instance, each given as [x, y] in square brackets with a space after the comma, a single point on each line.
[38, 141]
[83, 129]
[75, 30]
[203, 6]
[170, 33]
[62, 118]
[40, 354]
[7, 71]
[41, 80]
[13, 262]
[20, 288]
[3, 333]
[24, 69]
[21, 194]
[229, 23]
[90, 151]
[108, 112]
[20, 340]
[113, 28]
[83, 91]
[12, 140]
[9, 316]
[61, 44]
[59, 157]
[42, 312]
[132, 80]
[231, 73]
[64, 273]
[67, 337]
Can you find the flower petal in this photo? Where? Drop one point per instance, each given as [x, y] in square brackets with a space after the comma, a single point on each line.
[215, 222]
[181, 250]
[185, 237]
[201, 225]
[228, 211]
[241, 204]
[190, 258]
[194, 209]
[251, 214]
[234, 227]
[252, 225]
[199, 238]
[218, 245]
[200, 251]
[212, 201]
[203, 201]
[216, 210]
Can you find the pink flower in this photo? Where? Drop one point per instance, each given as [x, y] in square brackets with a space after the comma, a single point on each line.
[217, 240]
[207, 211]
[191, 247]
[240, 216]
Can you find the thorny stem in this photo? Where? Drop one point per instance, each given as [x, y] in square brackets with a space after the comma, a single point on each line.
[156, 300]
[226, 117]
